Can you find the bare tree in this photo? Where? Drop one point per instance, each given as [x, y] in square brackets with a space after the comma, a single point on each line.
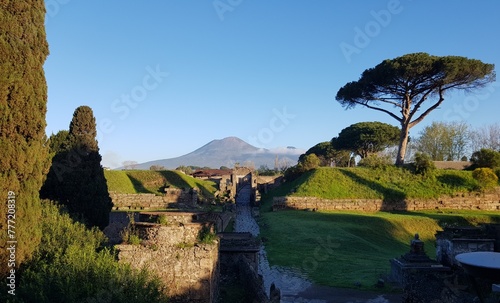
[486, 137]
[130, 164]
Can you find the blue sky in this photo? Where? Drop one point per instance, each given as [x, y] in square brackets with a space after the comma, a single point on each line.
[165, 77]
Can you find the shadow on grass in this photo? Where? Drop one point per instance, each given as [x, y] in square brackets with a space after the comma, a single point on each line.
[390, 195]
[138, 186]
[334, 249]
[172, 178]
[453, 180]
[449, 218]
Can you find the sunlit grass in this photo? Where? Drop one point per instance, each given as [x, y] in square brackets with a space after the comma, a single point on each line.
[148, 181]
[391, 183]
[343, 248]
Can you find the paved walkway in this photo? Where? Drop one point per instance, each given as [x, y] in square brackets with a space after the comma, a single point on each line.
[294, 286]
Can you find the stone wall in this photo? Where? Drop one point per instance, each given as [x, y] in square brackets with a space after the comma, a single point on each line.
[190, 274]
[456, 240]
[188, 269]
[172, 196]
[469, 201]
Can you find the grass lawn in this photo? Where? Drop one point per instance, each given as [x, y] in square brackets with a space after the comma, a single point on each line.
[342, 248]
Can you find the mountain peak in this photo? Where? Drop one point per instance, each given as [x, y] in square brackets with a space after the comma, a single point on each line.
[227, 152]
[227, 144]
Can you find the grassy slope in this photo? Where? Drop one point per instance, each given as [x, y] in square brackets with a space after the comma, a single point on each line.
[359, 245]
[341, 248]
[392, 183]
[148, 181]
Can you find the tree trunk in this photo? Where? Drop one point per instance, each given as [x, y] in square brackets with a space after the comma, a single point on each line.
[403, 142]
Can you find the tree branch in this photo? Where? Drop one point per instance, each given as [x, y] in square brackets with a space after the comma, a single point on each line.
[433, 107]
[379, 109]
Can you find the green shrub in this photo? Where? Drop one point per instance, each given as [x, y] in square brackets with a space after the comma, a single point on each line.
[309, 162]
[424, 164]
[376, 161]
[134, 239]
[71, 265]
[185, 245]
[497, 172]
[206, 236]
[162, 219]
[485, 177]
[486, 158]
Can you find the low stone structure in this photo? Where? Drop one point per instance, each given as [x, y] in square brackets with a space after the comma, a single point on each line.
[172, 197]
[239, 253]
[456, 240]
[189, 270]
[445, 281]
[468, 201]
[414, 262]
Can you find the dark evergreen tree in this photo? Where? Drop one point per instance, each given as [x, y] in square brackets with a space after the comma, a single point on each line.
[366, 138]
[23, 100]
[76, 178]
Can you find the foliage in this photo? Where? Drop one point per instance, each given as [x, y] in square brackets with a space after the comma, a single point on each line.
[444, 141]
[423, 164]
[309, 162]
[486, 177]
[162, 219]
[206, 236]
[323, 150]
[338, 242]
[366, 138]
[486, 158]
[59, 142]
[23, 105]
[403, 87]
[71, 265]
[76, 178]
[264, 170]
[376, 161]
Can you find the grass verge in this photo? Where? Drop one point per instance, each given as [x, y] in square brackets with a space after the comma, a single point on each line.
[342, 249]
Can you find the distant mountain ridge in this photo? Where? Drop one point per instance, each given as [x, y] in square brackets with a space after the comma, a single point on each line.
[228, 152]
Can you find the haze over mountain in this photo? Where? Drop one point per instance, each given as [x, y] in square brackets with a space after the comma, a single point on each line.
[227, 152]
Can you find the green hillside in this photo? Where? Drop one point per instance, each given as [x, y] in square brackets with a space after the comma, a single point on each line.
[345, 248]
[391, 183]
[149, 181]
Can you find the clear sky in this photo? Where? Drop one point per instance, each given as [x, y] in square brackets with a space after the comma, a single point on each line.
[165, 77]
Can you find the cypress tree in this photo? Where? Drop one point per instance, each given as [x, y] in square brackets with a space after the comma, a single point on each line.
[23, 104]
[76, 178]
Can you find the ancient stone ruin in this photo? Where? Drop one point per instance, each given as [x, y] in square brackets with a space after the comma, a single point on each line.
[444, 280]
